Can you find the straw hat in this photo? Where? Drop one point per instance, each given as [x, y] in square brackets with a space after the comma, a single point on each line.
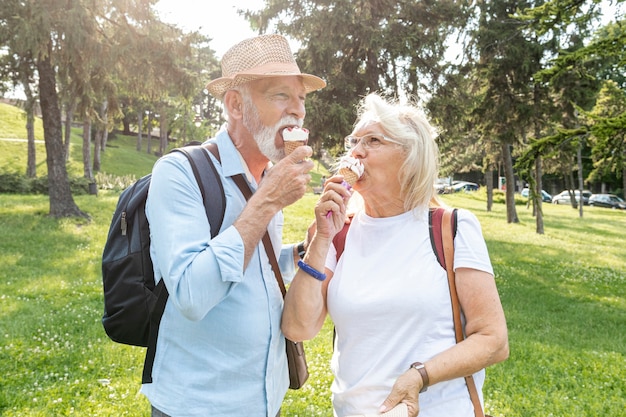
[259, 57]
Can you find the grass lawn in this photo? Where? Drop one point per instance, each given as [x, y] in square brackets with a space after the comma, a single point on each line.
[563, 292]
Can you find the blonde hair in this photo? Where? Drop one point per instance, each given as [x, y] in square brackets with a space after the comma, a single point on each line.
[407, 124]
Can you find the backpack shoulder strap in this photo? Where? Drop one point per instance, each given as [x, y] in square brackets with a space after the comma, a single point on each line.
[340, 240]
[435, 218]
[448, 231]
[209, 182]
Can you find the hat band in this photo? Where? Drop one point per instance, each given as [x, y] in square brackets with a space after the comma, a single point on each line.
[270, 69]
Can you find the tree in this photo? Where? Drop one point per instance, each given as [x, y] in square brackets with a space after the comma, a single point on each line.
[18, 71]
[573, 76]
[608, 133]
[360, 47]
[507, 60]
[39, 29]
[87, 50]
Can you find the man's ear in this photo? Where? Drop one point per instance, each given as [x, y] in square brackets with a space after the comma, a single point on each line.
[233, 101]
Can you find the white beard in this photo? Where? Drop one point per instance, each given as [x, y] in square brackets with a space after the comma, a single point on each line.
[265, 136]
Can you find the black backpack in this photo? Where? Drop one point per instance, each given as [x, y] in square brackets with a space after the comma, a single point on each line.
[133, 304]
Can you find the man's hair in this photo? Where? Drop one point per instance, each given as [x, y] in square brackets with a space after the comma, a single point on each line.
[244, 90]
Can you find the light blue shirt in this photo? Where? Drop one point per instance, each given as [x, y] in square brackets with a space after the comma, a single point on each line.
[220, 350]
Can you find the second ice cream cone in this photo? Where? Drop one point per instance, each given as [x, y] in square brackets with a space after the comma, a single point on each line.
[350, 176]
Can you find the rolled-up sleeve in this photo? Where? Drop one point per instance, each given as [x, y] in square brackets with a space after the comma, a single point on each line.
[285, 262]
[229, 250]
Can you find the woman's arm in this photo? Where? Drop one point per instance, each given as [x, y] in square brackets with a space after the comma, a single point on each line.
[305, 303]
[486, 340]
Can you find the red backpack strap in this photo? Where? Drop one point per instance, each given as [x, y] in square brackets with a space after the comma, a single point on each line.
[435, 216]
[340, 240]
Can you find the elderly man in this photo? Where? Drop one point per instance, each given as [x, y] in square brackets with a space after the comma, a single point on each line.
[220, 350]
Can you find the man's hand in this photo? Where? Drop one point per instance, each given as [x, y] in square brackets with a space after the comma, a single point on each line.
[287, 181]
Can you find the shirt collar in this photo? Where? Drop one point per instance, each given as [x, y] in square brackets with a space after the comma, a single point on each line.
[231, 159]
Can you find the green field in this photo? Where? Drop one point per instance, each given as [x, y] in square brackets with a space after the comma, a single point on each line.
[563, 292]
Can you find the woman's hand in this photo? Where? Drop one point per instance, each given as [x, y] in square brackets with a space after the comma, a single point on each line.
[405, 390]
[330, 210]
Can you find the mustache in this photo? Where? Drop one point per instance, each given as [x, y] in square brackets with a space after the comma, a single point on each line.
[289, 121]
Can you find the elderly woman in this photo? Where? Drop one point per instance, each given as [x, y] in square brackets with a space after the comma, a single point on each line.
[387, 295]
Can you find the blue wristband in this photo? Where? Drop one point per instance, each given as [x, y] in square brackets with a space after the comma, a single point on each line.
[311, 271]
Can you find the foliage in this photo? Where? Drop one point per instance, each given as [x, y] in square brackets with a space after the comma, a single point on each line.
[608, 132]
[15, 183]
[90, 57]
[362, 46]
[586, 110]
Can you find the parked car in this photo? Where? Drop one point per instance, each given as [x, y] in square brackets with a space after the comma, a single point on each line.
[441, 184]
[564, 198]
[545, 196]
[607, 200]
[458, 186]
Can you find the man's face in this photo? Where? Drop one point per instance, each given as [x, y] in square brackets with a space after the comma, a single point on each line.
[272, 105]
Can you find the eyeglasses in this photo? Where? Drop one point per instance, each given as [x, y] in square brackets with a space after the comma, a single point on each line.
[369, 141]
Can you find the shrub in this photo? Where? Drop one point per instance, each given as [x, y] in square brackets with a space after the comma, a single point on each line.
[114, 182]
[16, 183]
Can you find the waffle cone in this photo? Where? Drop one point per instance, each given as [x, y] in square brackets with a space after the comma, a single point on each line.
[349, 176]
[291, 146]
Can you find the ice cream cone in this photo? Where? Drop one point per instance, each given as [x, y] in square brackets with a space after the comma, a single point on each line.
[349, 176]
[291, 146]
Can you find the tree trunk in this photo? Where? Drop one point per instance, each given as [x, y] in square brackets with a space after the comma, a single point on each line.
[100, 137]
[126, 108]
[538, 198]
[489, 183]
[97, 149]
[624, 182]
[149, 147]
[61, 202]
[31, 162]
[579, 158]
[104, 114]
[139, 129]
[162, 132]
[69, 118]
[87, 173]
[511, 212]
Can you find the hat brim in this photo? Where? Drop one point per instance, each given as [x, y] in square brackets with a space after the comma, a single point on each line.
[219, 86]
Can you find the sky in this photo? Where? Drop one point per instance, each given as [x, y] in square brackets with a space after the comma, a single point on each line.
[217, 19]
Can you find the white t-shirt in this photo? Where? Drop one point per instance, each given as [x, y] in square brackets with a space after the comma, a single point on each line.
[390, 302]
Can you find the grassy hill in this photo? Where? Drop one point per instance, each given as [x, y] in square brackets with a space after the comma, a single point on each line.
[120, 159]
[563, 293]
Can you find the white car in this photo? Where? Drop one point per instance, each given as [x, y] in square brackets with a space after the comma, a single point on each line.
[564, 198]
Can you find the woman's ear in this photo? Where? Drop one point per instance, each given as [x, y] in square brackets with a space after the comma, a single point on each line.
[233, 101]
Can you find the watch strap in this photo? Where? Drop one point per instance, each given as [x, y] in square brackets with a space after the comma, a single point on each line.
[419, 367]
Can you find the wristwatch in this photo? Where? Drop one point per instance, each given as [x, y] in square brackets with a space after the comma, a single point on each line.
[301, 250]
[419, 367]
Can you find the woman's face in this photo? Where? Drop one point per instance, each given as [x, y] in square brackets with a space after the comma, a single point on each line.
[381, 158]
